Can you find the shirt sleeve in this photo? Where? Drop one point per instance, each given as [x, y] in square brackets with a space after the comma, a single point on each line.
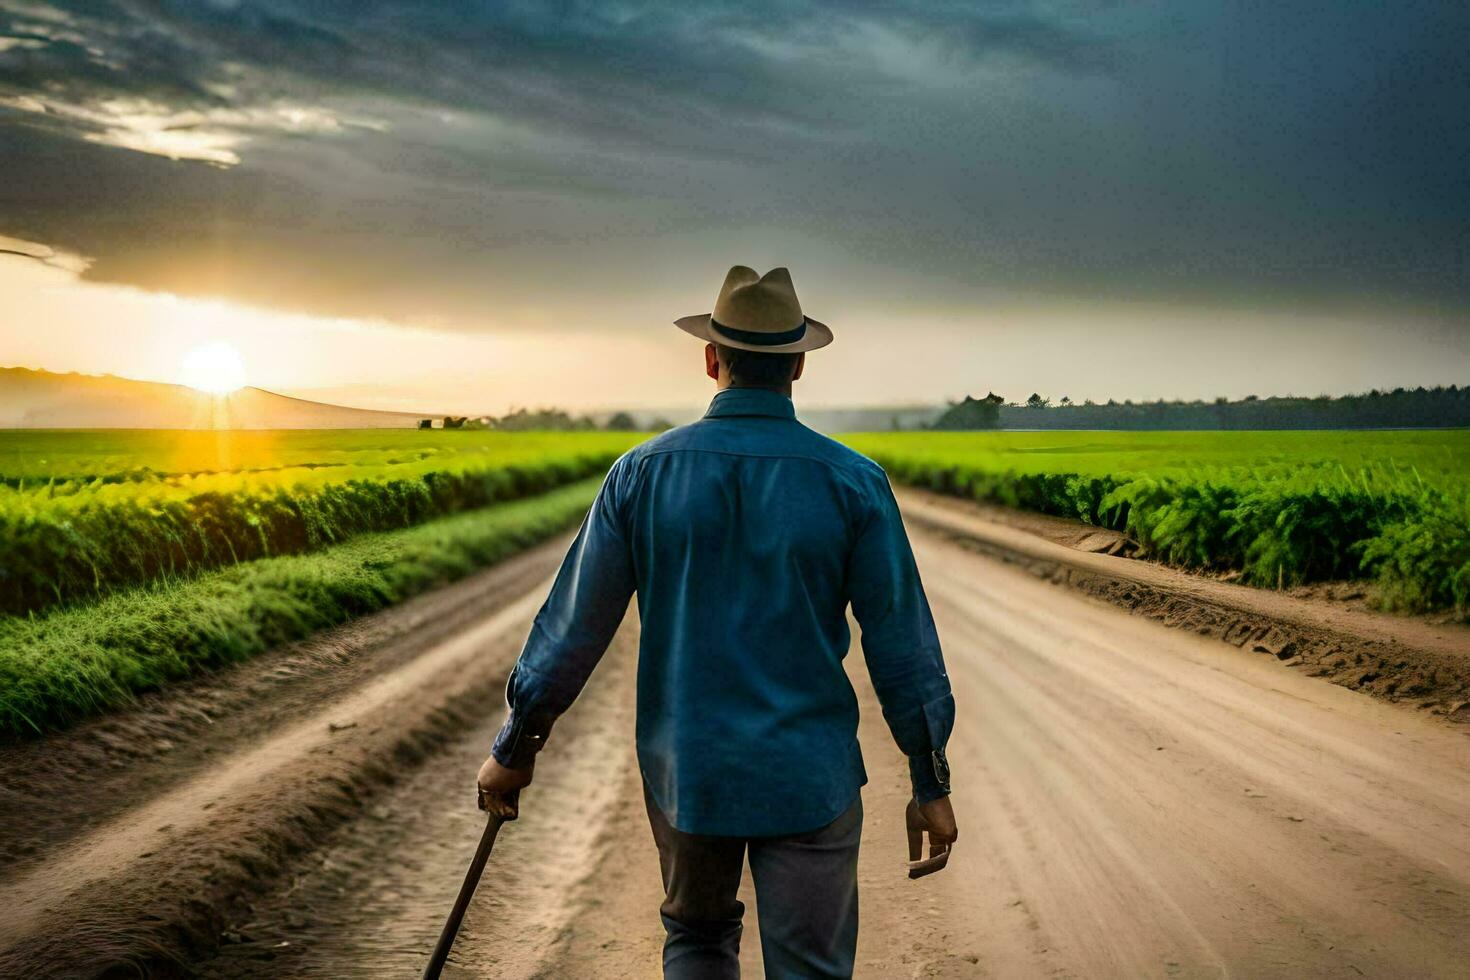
[900, 643]
[573, 628]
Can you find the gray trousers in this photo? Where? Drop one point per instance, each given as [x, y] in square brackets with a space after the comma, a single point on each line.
[806, 898]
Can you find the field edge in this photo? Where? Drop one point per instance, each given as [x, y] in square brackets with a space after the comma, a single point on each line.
[1393, 660]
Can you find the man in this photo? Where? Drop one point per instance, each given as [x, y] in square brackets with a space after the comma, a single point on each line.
[746, 536]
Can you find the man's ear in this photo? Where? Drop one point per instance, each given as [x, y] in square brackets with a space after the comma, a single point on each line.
[711, 362]
[800, 366]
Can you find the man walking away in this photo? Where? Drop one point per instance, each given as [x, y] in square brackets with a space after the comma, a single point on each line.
[746, 536]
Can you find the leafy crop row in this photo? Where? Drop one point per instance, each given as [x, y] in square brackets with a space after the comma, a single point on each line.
[1226, 501]
[68, 663]
[69, 537]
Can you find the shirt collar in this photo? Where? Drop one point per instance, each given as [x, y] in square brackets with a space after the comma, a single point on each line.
[750, 401]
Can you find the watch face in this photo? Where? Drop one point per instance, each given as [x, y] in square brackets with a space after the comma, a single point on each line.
[941, 768]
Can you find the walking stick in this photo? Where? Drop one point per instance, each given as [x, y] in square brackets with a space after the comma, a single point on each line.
[500, 807]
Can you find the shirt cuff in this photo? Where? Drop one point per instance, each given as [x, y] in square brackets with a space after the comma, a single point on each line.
[524, 732]
[515, 747]
[929, 775]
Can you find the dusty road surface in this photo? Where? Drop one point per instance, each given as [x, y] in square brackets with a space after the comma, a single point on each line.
[1134, 801]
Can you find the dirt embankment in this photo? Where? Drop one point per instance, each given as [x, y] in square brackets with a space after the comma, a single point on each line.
[130, 840]
[1414, 661]
[370, 898]
[135, 753]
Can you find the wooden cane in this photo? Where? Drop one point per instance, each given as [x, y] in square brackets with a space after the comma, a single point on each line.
[500, 807]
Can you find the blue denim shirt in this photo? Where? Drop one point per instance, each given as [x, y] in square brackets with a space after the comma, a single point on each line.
[745, 535]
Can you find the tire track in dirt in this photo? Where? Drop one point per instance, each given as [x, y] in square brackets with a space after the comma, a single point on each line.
[1163, 805]
[135, 753]
[370, 901]
[93, 861]
[149, 888]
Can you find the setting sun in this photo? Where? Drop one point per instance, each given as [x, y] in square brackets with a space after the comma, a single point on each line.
[215, 367]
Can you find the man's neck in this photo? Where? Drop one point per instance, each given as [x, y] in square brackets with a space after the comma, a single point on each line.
[777, 389]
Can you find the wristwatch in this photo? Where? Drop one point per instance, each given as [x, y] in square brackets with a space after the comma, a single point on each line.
[941, 768]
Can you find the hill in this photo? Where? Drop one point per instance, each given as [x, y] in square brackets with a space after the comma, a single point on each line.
[45, 400]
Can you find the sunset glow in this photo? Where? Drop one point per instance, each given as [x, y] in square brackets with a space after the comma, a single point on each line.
[216, 368]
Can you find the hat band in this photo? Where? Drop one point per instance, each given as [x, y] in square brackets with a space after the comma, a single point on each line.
[763, 339]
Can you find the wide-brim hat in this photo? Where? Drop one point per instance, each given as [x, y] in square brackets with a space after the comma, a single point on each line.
[761, 313]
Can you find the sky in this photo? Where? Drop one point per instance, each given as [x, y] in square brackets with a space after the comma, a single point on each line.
[443, 203]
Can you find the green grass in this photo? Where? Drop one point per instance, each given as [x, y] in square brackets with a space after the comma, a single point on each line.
[70, 663]
[1279, 507]
[83, 513]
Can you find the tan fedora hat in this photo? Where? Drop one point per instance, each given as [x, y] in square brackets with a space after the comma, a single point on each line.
[755, 312]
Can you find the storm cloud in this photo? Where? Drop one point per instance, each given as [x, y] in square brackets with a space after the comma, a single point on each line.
[454, 163]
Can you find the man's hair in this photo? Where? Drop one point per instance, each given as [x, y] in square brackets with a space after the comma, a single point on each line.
[756, 369]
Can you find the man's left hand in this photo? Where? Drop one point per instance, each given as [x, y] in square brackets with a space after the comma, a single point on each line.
[935, 818]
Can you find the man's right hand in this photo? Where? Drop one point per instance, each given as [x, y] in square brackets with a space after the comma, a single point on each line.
[935, 818]
[500, 787]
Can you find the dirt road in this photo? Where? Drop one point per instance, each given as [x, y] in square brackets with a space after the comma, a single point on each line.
[1134, 801]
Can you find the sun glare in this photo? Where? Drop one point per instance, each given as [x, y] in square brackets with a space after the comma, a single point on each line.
[216, 368]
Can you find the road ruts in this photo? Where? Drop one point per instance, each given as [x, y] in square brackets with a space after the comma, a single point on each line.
[1134, 801]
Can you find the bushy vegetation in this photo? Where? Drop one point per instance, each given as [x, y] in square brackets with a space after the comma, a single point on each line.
[1281, 508]
[1439, 407]
[69, 663]
[550, 420]
[84, 513]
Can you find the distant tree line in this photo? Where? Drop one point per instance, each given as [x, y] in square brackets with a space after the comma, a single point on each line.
[1402, 408]
[971, 413]
[548, 419]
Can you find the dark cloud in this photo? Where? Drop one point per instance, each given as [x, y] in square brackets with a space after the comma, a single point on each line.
[437, 160]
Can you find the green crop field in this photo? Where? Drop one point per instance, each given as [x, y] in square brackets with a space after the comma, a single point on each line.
[85, 512]
[283, 456]
[70, 662]
[1278, 507]
[129, 559]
